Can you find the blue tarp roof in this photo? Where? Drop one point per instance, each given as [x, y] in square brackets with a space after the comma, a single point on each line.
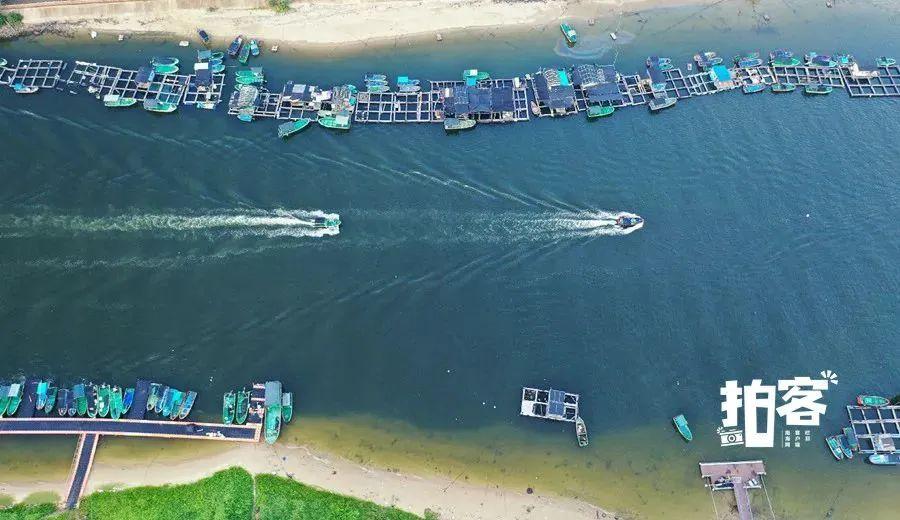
[145, 74]
[556, 406]
[720, 73]
[466, 99]
[605, 92]
[557, 97]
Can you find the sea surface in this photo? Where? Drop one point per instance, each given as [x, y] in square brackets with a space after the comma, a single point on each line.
[166, 247]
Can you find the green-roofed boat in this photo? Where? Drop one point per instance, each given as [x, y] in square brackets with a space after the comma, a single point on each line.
[885, 61]
[115, 402]
[872, 400]
[127, 400]
[782, 88]
[158, 407]
[186, 406]
[453, 124]
[41, 394]
[569, 33]
[835, 447]
[4, 399]
[243, 406]
[228, 404]
[162, 107]
[14, 398]
[598, 111]
[79, 396]
[336, 121]
[682, 425]
[165, 69]
[51, 399]
[103, 401]
[287, 406]
[290, 128]
[174, 401]
[153, 398]
[117, 101]
[818, 89]
[273, 423]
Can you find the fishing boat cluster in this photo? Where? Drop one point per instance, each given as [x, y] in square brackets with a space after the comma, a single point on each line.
[875, 421]
[170, 402]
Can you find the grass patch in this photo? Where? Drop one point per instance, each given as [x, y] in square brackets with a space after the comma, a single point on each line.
[28, 512]
[280, 6]
[40, 498]
[14, 19]
[226, 495]
[278, 498]
[6, 500]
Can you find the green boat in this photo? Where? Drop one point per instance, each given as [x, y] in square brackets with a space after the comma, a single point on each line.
[683, 428]
[166, 60]
[852, 439]
[79, 396]
[165, 69]
[117, 101]
[91, 393]
[118, 402]
[217, 55]
[569, 33]
[753, 88]
[14, 398]
[252, 76]
[186, 406]
[472, 75]
[243, 406]
[172, 403]
[103, 400]
[779, 88]
[336, 121]
[4, 399]
[818, 89]
[155, 105]
[228, 408]
[273, 423]
[885, 61]
[290, 128]
[153, 398]
[835, 447]
[845, 445]
[287, 406]
[51, 399]
[596, 111]
[872, 400]
[41, 394]
[244, 55]
[453, 124]
[217, 68]
[127, 400]
[158, 407]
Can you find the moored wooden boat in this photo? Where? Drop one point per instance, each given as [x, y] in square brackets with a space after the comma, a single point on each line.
[835, 447]
[235, 46]
[243, 406]
[4, 399]
[162, 107]
[581, 431]
[153, 397]
[845, 445]
[753, 88]
[597, 111]
[103, 400]
[127, 400]
[660, 103]
[165, 69]
[51, 399]
[682, 425]
[569, 33]
[41, 394]
[158, 407]
[165, 60]
[170, 409]
[79, 395]
[187, 405]
[885, 459]
[471, 76]
[62, 402]
[20, 88]
[204, 36]
[872, 400]
[817, 89]
[228, 405]
[287, 406]
[335, 121]
[290, 128]
[91, 393]
[117, 101]
[244, 55]
[14, 398]
[780, 88]
[254, 48]
[273, 423]
[885, 61]
[852, 439]
[217, 55]
[73, 406]
[115, 402]
[453, 124]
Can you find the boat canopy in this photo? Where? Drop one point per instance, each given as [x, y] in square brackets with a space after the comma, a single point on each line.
[552, 92]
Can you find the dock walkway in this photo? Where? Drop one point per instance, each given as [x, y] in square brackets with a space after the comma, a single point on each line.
[739, 477]
[81, 467]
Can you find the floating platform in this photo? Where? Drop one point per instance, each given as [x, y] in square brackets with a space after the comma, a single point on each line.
[887, 84]
[878, 429]
[805, 75]
[555, 405]
[34, 73]
[193, 94]
[102, 80]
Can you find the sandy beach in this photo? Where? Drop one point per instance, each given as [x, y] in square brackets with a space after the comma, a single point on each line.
[326, 23]
[450, 498]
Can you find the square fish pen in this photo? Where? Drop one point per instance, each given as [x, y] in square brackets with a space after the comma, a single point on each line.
[212, 94]
[102, 80]
[744, 75]
[878, 429]
[886, 84]
[396, 107]
[33, 73]
[267, 106]
[805, 75]
[555, 405]
[300, 101]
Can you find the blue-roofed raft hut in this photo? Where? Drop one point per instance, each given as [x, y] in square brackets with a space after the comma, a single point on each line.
[597, 85]
[721, 78]
[657, 79]
[551, 404]
[554, 94]
[483, 104]
[145, 76]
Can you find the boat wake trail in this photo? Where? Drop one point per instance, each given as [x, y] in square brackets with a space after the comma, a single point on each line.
[219, 225]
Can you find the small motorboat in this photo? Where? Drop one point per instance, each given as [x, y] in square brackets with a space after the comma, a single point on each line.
[872, 400]
[581, 431]
[783, 58]
[819, 89]
[845, 445]
[780, 88]
[630, 221]
[661, 102]
[682, 425]
[325, 222]
[165, 60]
[885, 61]
[453, 124]
[254, 48]
[850, 434]
[885, 459]
[127, 400]
[835, 447]
[613, 36]
[184, 43]
[753, 88]
[569, 33]
[204, 36]
[235, 46]
[598, 111]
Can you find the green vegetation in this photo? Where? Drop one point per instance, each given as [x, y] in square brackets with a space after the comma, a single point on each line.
[278, 498]
[225, 495]
[13, 19]
[280, 6]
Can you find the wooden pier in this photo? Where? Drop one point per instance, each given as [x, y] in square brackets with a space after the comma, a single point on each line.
[42, 74]
[878, 429]
[28, 421]
[739, 477]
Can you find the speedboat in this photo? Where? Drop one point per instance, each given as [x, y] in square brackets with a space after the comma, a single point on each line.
[630, 221]
[325, 222]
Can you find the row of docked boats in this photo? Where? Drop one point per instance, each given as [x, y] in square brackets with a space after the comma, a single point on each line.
[242, 51]
[843, 445]
[82, 400]
[235, 407]
[170, 402]
[706, 60]
[785, 87]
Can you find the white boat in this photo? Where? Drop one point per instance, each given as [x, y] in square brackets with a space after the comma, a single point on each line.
[93, 34]
[581, 432]
[613, 36]
[856, 73]
[184, 43]
[274, 48]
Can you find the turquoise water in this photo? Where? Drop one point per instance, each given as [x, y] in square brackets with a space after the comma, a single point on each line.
[468, 265]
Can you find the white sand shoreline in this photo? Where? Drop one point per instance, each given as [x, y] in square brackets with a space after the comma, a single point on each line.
[452, 499]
